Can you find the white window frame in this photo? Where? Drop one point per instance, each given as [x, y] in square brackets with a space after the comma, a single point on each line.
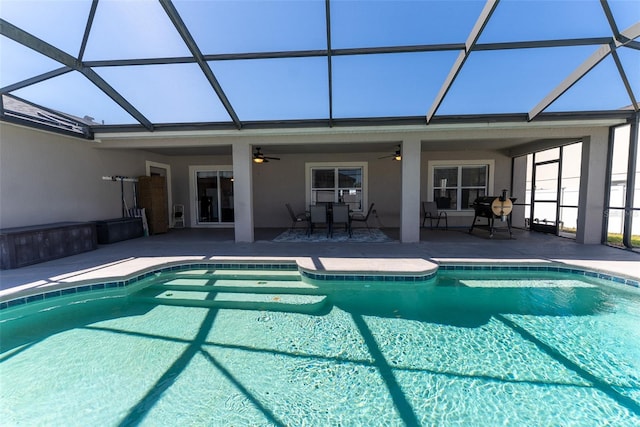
[340, 165]
[432, 164]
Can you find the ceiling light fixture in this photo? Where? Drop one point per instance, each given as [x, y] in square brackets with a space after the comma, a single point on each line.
[259, 157]
[395, 156]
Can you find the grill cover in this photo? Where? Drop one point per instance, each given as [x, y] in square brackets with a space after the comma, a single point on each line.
[493, 206]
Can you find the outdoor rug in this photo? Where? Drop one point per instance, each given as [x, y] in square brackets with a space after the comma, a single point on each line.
[359, 235]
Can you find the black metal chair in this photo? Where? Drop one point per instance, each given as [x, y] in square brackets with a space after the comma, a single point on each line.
[430, 212]
[340, 215]
[360, 217]
[318, 215]
[301, 218]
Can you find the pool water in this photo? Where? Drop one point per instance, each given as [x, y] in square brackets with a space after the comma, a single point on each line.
[203, 348]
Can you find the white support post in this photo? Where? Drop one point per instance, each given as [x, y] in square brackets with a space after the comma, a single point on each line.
[519, 191]
[410, 209]
[242, 192]
[593, 175]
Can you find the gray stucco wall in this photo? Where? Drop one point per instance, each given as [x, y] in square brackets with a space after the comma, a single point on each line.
[46, 178]
[280, 182]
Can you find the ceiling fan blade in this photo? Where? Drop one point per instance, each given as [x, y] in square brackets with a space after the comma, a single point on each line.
[397, 154]
[258, 154]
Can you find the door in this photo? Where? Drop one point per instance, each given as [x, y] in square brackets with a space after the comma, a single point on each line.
[212, 195]
[544, 202]
[154, 168]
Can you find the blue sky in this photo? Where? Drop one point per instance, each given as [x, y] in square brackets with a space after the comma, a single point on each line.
[297, 88]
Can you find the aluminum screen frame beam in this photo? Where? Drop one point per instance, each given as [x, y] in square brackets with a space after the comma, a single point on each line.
[481, 22]
[36, 79]
[87, 29]
[593, 41]
[24, 38]
[182, 29]
[626, 38]
[327, 8]
[629, 34]
[618, 39]
[590, 63]
[625, 80]
[610, 19]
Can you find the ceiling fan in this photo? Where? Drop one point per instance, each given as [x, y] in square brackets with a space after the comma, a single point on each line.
[259, 157]
[395, 156]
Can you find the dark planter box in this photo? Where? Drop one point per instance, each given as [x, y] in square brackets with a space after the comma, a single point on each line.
[116, 230]
[23, 246]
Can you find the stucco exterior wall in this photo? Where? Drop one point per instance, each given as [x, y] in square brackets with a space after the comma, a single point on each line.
[180, 177]
[279, 182]
[47, 178]
[62, 181]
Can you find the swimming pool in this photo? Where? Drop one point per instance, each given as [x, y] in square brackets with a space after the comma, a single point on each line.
[195, 347]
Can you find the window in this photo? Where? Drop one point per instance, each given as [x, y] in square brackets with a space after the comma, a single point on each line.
[456, 184]
[337, 183]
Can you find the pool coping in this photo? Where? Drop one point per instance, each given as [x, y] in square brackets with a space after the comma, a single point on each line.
[312, 268]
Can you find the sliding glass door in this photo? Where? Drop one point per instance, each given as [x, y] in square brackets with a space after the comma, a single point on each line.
[211, 195]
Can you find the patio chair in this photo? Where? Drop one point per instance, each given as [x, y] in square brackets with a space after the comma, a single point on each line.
[360, 217]
[296, 218]
[430, 212]
[341, 216]
[318, 215]
[178, 216]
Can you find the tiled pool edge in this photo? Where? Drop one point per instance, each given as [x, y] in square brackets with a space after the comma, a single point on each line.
[320, 276]
[370, 277]
[125, 283]
[551, 267]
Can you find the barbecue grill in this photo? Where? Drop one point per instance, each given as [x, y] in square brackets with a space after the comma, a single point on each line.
[492, 208]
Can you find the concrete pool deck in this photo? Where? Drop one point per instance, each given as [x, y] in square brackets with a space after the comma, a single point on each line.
[123, 259]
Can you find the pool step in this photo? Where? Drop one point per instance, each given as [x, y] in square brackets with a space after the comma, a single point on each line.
[276, 290]
[282, 275]
[236, 286]
[233, 300]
